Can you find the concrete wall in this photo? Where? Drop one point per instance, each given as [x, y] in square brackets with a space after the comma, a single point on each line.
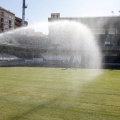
[100, 25]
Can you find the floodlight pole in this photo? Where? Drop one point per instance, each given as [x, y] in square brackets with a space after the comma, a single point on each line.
[23, 13]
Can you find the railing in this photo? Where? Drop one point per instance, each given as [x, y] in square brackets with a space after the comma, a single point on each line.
[18, 23]
[110, 48]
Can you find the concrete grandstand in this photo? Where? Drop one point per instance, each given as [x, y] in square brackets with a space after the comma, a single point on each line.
[34, 49]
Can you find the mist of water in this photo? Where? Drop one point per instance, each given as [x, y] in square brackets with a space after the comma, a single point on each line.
[78, 40]
[73, 39]
[68, 41]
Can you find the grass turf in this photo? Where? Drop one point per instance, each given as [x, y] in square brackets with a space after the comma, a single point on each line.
[59, 94]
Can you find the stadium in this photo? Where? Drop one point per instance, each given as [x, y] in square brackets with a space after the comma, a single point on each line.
[47, 77]
[105, 29]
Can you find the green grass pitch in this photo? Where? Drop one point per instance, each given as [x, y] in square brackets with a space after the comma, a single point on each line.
[34, 93]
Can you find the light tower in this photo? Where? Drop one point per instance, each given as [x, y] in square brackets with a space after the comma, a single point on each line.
[23, 13]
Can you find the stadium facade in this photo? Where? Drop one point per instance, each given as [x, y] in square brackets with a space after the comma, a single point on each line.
[106, 29]
[42, 52]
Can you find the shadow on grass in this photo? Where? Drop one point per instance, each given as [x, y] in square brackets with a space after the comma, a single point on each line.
[33, 110]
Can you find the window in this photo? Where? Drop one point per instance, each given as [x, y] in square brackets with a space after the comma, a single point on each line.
[2, 14]
[6, 21]
[2, 20]
[53, 16]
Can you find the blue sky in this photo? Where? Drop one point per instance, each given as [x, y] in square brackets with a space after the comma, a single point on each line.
[40, 10]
